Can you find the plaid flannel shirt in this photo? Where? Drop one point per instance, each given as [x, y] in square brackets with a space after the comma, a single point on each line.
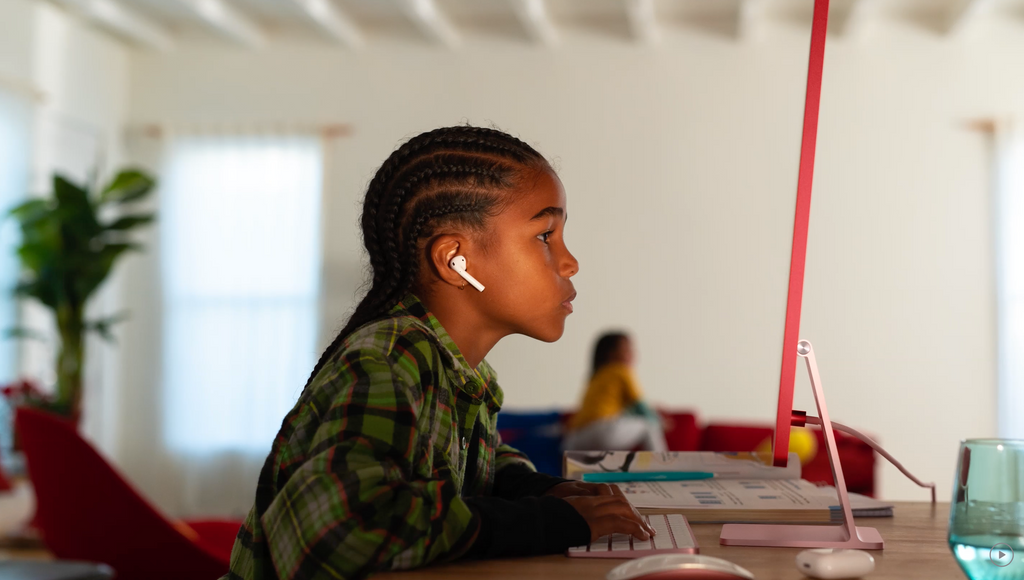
[368, 470]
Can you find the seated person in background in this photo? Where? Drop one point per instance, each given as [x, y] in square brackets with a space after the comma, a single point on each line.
[613, 415]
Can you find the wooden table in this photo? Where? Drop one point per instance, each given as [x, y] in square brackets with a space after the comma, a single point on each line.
[915, 547]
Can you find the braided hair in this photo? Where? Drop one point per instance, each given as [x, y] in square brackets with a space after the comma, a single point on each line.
[454, 176]
[605, 348]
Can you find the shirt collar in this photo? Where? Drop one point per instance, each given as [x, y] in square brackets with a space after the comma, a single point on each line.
[479, 383]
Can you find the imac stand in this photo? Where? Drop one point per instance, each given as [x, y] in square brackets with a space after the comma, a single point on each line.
[847, 535]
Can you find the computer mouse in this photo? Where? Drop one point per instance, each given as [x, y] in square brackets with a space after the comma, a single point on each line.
[679, 567]
[828, 564]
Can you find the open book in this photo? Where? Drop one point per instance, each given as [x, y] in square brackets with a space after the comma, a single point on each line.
[743, 490]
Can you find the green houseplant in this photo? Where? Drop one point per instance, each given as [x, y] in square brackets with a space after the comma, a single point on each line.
[69, 244]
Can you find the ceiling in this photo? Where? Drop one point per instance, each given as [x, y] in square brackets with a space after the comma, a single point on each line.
[166, 24]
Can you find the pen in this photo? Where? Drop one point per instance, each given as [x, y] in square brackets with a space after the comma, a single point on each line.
[617, 476]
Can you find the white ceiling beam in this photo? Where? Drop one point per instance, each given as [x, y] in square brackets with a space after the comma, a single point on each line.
[332, 21]
[964, 13]
[431, 21]
[226, 20]
[643, 21]
[850, 19]
[536, 20]
[121, 21]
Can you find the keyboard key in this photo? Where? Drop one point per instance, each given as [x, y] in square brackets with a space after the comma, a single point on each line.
[620, 542]
[662, 539]
[641, 544]
[600, 544]
[680, 531]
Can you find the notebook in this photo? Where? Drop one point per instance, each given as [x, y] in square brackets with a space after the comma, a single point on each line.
[673, 536]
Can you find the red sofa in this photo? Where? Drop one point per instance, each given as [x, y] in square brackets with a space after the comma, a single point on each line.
[539, 436]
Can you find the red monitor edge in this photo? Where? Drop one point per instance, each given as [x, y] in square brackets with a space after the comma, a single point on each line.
[798, 258]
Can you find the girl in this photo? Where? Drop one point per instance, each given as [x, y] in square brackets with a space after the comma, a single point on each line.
[613, 414]
[391, 457]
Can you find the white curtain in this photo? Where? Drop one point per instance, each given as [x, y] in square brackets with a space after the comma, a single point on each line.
[1009, 217]
[15, 147]
[241, 261]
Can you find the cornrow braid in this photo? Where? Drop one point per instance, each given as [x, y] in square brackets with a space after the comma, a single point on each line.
[450, 176]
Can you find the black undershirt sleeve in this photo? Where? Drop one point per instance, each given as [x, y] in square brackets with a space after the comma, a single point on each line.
[518, 481]
[530, 526]
[517, 519]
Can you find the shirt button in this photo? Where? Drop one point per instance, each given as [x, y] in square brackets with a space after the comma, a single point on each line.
[464, 443]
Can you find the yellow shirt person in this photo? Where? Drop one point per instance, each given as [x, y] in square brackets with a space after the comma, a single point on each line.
[613, 415]
[611, 391]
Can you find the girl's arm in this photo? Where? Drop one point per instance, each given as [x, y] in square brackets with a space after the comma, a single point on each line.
[358, 504]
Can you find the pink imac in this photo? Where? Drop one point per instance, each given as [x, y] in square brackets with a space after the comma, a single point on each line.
[847, 535]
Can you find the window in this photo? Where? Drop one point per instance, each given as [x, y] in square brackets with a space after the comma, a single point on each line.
[15, 145]
[240, 245]
[1010, 281]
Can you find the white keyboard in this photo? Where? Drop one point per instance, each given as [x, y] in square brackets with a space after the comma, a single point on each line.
[674, 536]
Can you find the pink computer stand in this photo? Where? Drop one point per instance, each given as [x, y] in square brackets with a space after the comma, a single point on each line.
[848, 535]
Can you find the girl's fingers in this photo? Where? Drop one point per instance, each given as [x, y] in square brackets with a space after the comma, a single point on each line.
[624, 509]
[607, 489]
[621, 525]
[610, 500]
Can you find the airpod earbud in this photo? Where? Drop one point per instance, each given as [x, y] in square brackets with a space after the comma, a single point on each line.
[458, 263]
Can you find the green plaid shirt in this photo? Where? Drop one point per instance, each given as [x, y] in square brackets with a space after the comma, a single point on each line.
[369, 469]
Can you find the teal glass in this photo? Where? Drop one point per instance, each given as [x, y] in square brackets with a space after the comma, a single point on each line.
[986, 518]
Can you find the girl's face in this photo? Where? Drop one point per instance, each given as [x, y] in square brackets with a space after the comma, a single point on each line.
[526, 265]
[624, 352]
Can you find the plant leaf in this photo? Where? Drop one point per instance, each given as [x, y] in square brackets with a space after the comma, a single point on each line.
[35, 256]
[130, 221]
[77, 214]
[93, 271]
[129, 185]
[103, 325]
[30, 210]
[25, 333]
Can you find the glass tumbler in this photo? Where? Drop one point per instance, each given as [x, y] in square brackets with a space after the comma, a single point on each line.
[986, 518]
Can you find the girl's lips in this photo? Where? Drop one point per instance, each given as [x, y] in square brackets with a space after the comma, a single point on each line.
[568, 303]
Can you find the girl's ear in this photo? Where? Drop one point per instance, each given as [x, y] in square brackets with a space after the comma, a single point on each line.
[441, 251]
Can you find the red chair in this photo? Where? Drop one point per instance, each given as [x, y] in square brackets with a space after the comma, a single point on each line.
[88, 511]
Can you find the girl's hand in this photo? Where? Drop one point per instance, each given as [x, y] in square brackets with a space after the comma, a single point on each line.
[579, 488]
[611, 514]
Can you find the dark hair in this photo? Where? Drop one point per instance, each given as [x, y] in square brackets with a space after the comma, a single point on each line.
[453, 176]
[605, 348]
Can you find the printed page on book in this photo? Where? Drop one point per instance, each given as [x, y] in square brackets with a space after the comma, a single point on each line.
[756, 494]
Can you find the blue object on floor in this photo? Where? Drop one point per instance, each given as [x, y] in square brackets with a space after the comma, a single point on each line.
[538, 435]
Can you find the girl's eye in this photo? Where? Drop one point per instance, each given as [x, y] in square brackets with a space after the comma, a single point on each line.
[544, 237]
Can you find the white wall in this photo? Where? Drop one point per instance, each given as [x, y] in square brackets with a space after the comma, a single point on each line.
[680, 165]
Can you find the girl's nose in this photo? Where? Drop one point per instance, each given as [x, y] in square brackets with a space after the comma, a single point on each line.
[571, 266]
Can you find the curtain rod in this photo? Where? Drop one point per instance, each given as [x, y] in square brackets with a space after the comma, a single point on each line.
[159, 130]
[22, 87]
[989, 125]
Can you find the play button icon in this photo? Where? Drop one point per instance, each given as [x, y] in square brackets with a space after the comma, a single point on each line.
[1001, 555]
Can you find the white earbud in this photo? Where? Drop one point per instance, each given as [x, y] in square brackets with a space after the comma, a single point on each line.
[458, 263]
